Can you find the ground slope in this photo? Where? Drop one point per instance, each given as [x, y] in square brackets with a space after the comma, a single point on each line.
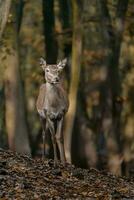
[24, 178]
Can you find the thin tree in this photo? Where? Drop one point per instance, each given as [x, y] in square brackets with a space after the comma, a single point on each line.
[75, 75]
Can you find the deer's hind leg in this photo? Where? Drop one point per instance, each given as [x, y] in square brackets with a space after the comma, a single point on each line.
[60, 141]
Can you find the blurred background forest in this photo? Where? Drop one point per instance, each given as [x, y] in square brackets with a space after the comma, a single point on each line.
[97, 38]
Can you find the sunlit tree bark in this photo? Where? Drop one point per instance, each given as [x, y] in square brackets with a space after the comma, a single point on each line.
[127, 117]
[14, 105]
[75, 76]
[4, 13]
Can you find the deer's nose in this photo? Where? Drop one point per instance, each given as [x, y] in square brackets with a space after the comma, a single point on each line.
[56, 79]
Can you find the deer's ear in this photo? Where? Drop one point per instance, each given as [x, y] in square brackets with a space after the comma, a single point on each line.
[62, 63]
[43, 63]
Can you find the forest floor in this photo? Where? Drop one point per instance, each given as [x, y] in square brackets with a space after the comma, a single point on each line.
[24, 178]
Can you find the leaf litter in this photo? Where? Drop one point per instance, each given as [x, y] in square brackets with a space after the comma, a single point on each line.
[22, 177]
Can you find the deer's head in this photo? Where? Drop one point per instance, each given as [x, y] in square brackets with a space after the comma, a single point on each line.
[53, 72]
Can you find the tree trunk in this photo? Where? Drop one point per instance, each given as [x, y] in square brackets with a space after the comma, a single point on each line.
[75, 76]
[65, 20]
[4, 12]
[19, 7]
[51, 47]
[112, 108]
[2, 118]
[14, 105]
[66, 44]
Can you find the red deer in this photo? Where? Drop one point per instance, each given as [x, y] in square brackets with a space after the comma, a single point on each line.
[52, 105]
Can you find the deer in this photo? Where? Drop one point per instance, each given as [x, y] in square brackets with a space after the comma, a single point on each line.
[52, 105]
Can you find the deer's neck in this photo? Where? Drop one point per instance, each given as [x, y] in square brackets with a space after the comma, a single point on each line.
[50, 86]
[53, 90]
[54, 94]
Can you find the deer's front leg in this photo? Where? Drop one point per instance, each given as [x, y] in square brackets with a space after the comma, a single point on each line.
[52, 131]
[60, 141]
[43, 123]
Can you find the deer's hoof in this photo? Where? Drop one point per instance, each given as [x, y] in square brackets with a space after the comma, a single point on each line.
[56, 163]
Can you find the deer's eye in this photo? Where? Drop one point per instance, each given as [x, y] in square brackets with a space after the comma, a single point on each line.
[47, 70]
